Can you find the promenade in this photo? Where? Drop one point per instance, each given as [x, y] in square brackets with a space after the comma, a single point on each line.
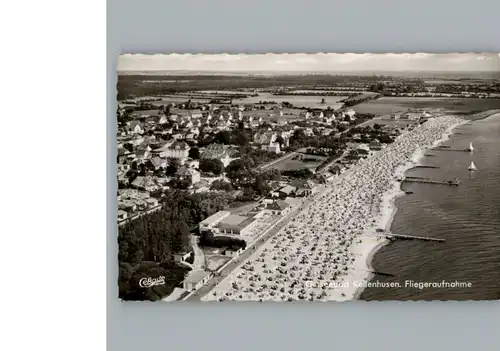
[251, 248]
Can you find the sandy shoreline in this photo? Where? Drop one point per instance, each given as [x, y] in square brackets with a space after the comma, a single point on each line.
[389, 198]
[326, 253]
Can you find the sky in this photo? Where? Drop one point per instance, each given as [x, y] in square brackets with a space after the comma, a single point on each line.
[320, 62]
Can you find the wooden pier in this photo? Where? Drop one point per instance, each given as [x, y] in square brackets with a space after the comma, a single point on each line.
[382, 273]
[453, 182]
[423, 166]
[393, 236]
[450, 149]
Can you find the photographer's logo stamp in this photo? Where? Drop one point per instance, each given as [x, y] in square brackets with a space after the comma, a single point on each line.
[150, 282]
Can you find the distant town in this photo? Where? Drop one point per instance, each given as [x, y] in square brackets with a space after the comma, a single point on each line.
[207, 174]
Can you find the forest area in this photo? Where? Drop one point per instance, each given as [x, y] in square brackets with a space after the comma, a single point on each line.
[148, 244]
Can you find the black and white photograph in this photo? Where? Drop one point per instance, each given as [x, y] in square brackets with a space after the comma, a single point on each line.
[308, 177]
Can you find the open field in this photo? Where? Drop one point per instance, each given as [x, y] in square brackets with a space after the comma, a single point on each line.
[387, 105]
[333, 90]
[224, 92]
[291, 165]
[298, 101]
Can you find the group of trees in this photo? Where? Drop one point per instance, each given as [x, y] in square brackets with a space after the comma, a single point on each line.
[328, 142]
[243, 173]
[211, 165]
[303, 173]
[368, 134]
[358, 99]
[208, 239]
[147, 244]
[221, 185]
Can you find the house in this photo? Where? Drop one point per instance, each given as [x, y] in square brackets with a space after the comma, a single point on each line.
[151, 202]
[127, 206]
[278, 207]
[163, 119]
[182, 256]
[196, 279]
[235, 225]
[305, 114]
[318, 114]
[135, 127]
[142, 155]
[375, 145]
[336, 169]
[274, 147]
[237, 114]
[280, 122]
[194, 114]
[267, 141]
[325, 177]
[286, 191]
[329, 115]
[206, 115]
[285, 135]
[350, 112]
[122, 215]
[177, 149]
[308, 132]
[210, 222]
[277, 112]
[303, 188]
[190, 174]
[232, 252]
[216, 151]
[158, 163]
[144, 183]
[363, 149]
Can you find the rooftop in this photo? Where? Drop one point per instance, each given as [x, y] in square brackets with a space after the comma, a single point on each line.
[215, 217]
[277, 205]
[235, 222]
[196, 276]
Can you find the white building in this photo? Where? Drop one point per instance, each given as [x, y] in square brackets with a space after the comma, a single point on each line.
[210, 222]
[196, 279]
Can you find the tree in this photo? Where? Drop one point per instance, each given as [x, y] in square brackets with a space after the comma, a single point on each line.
[376, 126]
[386, 139]
[223, 137]
[212, 165]
[173, 166]
[194, 153]
[221, 185]
[280, 140]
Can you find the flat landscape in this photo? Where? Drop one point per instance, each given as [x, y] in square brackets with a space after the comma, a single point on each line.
[295, 100]
[218, 200]
[388, 105]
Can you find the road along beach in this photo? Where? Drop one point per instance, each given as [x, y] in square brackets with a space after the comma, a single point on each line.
[324, 253]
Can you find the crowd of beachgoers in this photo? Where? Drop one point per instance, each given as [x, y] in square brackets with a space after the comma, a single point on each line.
[322, 253]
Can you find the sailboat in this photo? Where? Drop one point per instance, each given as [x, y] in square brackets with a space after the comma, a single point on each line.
[472, 166]
[471, 148]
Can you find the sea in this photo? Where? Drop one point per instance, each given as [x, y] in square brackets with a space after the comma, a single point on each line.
[466, 216]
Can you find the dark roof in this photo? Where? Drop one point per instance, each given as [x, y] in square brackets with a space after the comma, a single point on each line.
[278, 205]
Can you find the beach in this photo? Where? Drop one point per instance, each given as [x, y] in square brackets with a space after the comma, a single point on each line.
[325, 252]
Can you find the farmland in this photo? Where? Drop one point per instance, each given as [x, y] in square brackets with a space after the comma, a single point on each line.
[388, 105]
[295, 100]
